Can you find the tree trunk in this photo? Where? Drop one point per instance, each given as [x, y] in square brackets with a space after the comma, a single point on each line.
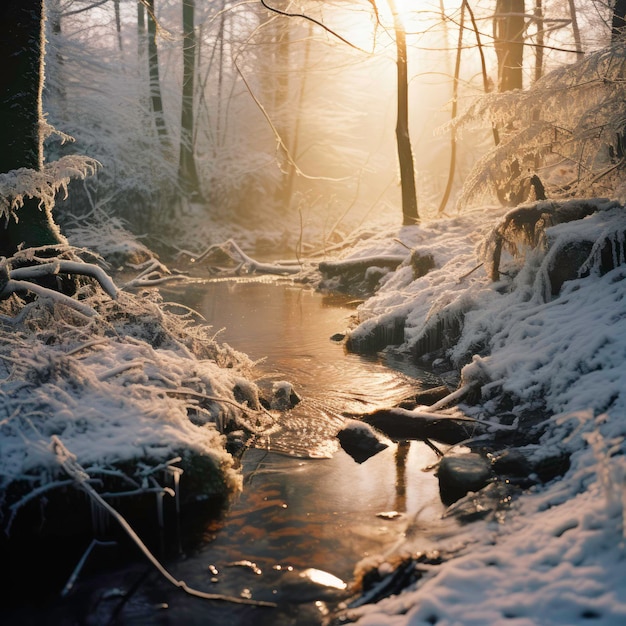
[118, 25]
[540, 39]
[153, 70]
[575, 29]
[509, 43]
[21, 86]
[410, 213]
[187, 171]
[619, 20]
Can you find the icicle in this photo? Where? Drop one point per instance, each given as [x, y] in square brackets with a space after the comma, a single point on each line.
[159, 505]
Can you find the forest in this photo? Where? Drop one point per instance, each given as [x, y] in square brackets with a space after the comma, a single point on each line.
[190, 190]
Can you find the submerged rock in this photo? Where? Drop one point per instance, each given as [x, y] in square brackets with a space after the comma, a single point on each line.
[461, 473]
[284, 397]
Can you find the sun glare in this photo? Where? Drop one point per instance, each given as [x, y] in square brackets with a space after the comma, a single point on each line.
[416, 18]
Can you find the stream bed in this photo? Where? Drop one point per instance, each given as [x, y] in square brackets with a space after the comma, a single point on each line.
[306, 503]
[308, 512]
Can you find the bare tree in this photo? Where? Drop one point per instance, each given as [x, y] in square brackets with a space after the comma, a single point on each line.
[509, 27]
[410, 213]
[187, 171]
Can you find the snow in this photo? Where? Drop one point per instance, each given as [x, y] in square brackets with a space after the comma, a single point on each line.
[133, 384]
[558, 556]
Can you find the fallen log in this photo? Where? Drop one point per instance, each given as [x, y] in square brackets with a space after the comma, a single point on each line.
[400, 424]
[360, 265]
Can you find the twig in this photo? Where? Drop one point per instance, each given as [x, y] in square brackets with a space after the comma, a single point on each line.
[13, 286]
[462, 278]
[68, 462]
[72, 579]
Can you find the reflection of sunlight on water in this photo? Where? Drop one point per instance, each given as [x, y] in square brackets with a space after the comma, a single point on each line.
[290, 327]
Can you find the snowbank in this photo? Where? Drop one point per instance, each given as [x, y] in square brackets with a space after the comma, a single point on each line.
[558, 557]
[138, 394]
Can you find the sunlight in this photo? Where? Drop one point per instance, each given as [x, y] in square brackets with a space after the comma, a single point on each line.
[364, 31]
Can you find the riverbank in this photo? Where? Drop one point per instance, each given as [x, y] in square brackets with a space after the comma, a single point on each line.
[555, 556]
[547, 336]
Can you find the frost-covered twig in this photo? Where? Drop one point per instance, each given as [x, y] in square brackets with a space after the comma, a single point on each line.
[69, 464]
[14, 286]
[66, 267]
[115, 371]
[248, 264]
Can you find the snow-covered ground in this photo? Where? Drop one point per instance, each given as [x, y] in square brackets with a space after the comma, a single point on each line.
[558, 557]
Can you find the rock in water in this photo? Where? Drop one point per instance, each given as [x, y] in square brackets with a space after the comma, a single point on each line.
[360, 440]
[461, 473]
[284, 396]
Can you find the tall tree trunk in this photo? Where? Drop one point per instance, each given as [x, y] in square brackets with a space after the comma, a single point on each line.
[153, 71]
[21, 86]
[575, 29]
[279, 89]
[118, 25]
[187, 171]
[618, 23]
[538, 13]
[509, 43]
[141, 33]
[410, 213]
[455, 104]
[291, 172]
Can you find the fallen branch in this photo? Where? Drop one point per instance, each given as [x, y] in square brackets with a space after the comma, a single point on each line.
[15, 286]
[247, 264]
[69, 464]
[66, 267]
[400, 423]
[389, 261]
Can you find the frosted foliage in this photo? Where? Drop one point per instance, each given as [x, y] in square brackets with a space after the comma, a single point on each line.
[43, 185]
[136, 384]
[568, 127]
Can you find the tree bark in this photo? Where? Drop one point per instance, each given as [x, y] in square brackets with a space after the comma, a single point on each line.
[187, 171]
[619, 20]
[153, 71]
[410, 213]
[21, 141]
[509, 42]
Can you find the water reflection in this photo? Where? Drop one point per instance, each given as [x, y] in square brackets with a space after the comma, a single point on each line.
[287, 329]
[297, 514]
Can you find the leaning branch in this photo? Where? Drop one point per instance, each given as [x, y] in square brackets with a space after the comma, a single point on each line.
[69, 464]
[316, 22]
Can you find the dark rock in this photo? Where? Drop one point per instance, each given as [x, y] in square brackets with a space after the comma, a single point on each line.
[461, 473]
[567, 263]
[421, 264]
[284, 396]
[338, 337]
[551, 467]
[511, 463]
[360, 441]
[491, 502]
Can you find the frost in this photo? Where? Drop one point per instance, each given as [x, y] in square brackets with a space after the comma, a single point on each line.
[42, 185]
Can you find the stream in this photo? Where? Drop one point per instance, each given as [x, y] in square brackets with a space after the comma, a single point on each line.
[306, 503]
[308, 512]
